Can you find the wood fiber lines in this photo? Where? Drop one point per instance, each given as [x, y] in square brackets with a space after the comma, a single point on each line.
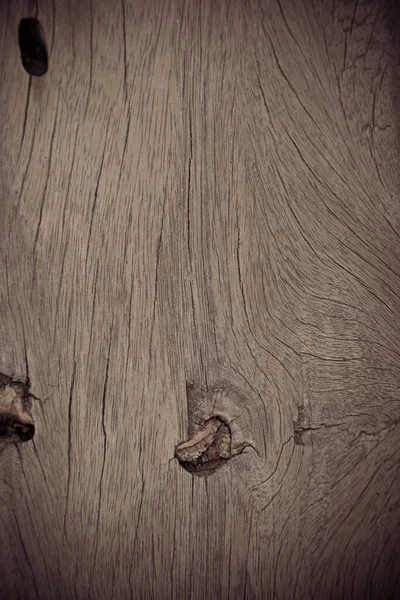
[202, 193]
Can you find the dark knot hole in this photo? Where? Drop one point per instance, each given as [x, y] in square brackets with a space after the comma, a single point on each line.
[32, 45]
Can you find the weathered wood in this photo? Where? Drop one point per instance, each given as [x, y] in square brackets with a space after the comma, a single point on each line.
[207, 192]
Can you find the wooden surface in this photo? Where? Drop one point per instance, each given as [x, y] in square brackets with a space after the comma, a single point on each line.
[202, 191]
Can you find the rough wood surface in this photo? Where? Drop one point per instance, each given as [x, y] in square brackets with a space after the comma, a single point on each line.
[202, 191]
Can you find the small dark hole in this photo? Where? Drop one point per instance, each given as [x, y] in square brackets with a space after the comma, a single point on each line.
[25, 432]
[32, 46]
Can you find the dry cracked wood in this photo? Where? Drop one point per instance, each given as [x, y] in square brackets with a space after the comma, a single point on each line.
[202, 191]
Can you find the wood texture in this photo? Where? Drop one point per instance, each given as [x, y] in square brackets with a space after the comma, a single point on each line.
[202, 191]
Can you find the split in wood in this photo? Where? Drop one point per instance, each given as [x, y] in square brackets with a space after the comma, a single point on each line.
[298, 426]
[32, 45]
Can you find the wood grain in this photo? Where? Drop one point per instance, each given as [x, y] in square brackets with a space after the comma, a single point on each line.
[202, 192]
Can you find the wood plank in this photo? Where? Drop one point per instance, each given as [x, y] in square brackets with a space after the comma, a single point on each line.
[202, 192]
